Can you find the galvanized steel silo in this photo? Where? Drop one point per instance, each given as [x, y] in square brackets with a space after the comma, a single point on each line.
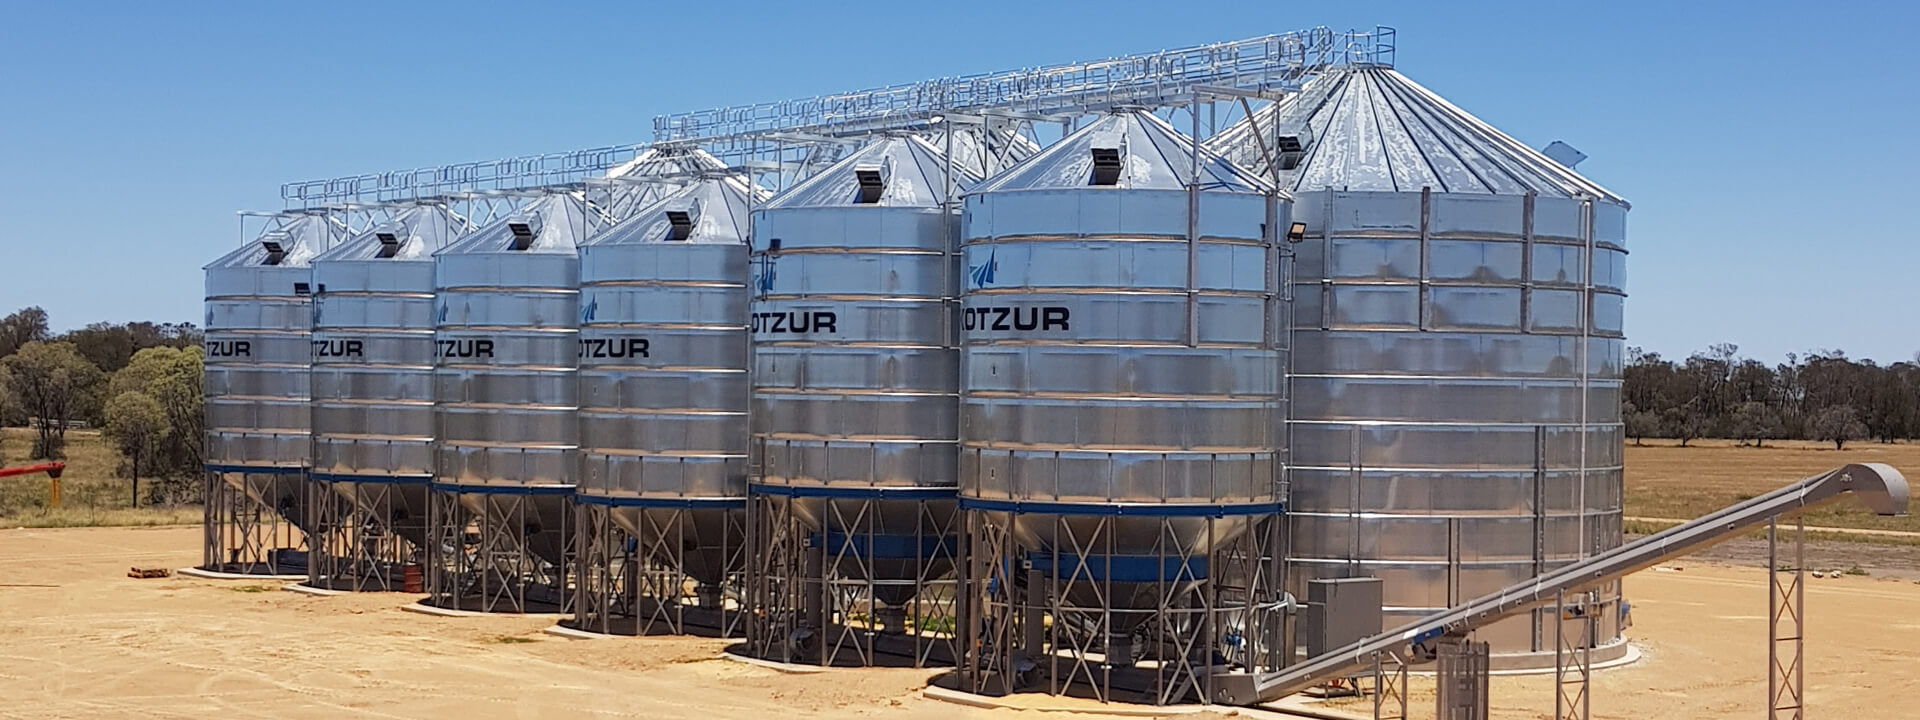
[506, 435]
[663, 411]
[856, 384]
[372, 388]
[1458, 352]
[259, 325]
[1119, 433]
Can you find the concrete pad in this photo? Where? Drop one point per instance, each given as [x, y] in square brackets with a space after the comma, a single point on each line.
[789, 668]
[211, 575]
[306, 589]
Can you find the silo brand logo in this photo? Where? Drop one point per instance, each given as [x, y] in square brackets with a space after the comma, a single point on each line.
[982, 274]
[466, 348]
[1051, 317]
[229, 348]
[613, 348]
[820, 321]
[336, 348]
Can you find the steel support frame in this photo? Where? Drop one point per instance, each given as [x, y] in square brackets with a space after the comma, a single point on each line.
[1460, 679]
[478, 562]
[1028, 626]
[243, 536]
[665, 595]
[350, 547]
[815, 598]
[1389, 687]
[1573, 653]
[605, 580]
[1786, 624]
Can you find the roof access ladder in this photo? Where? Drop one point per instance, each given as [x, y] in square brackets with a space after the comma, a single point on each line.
[1880, 487]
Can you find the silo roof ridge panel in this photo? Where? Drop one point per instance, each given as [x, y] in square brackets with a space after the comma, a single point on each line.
[302, 239]
[917, 169]
[721, 203]
[1156, 156]
[1374, 129]
[423, 231]
[561, 220]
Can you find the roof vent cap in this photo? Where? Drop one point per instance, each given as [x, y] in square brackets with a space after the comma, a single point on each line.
[1106, 166]
[389, 243]
[522, 234]
[275, 251]
[679, 224]
[872, 185]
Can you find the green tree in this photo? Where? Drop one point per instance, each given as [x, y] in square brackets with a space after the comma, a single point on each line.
[1838, 424]
[138, 425]
[1641, 424]
[173, 378]
[54, 385]
[24, 326]
[1754, 422]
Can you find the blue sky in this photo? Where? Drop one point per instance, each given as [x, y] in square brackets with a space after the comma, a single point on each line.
[1768, 147]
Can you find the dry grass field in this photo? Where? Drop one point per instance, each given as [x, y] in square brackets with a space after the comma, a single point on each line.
[1668, 481]
[91, 495]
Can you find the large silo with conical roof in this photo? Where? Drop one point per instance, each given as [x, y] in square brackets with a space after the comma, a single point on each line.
[506, 438]
[856, 388]
[1122, 360]
[372, 390]
[259, 324]
[663, 414]
[1458, 352]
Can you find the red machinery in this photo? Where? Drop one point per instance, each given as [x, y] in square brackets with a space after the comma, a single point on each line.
[52, 469]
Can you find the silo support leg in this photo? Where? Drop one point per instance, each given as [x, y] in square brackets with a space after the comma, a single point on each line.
[1786, 623]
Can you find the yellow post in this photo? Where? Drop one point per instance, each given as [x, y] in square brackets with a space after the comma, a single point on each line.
[53, 492]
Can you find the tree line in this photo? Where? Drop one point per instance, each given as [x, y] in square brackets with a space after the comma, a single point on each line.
[139, 381]
[1822, 395]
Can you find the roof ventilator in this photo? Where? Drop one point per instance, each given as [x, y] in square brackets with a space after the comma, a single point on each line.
[275, 251]
[1290, 147]
[522, 234]
[389, 244]
[872, 185]
[680, 224]
[1106, 166]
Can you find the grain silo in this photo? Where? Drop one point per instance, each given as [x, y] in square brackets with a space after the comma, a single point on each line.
[856, 384]
[1119, 438]
[663, 414]
[372, 388]
[259, 325]
[506, 435]
[1458, 352]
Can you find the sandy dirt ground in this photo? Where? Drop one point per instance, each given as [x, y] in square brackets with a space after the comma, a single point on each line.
[79, 639]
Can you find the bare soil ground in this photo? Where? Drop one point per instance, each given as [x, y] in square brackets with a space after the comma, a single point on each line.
[79, 639]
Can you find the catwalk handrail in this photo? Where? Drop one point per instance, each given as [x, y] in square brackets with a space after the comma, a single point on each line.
[1880, 487]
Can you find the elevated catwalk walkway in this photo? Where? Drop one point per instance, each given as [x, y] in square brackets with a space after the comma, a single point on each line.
[1880, 487]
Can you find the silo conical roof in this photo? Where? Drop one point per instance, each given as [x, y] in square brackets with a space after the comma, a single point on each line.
[1373, 129]
[983, 151]
[1154, 156]
[300, 240]
[421, 230]
[913, 171]
[716, 206]
[560, 222]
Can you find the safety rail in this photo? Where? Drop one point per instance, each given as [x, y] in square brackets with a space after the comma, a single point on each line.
[1269, 63]
[1880, 487]
[1148, 79]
